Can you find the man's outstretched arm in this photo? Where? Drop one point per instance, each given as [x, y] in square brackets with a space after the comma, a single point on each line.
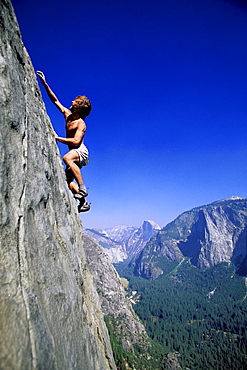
[50, 93]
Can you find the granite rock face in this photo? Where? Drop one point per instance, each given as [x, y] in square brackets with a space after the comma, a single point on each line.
[50, 313]
[208, 235]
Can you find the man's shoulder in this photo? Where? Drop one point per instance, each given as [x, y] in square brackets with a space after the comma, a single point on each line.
[67, 112]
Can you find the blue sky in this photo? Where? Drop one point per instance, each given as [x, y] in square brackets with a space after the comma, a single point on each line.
[168, 85]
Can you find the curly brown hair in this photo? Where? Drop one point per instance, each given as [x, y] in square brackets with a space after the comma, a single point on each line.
[82, 106]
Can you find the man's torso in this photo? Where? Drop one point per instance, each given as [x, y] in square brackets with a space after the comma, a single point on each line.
[73, 125]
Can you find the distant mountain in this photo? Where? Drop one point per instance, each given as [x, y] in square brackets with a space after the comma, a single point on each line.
[122, 241]
[116, 250]
[208, 235]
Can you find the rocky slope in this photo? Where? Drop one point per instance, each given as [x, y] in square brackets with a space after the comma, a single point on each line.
[123, 241]
[140, 352]
[50, 314]
[208, 235]
[114, 302]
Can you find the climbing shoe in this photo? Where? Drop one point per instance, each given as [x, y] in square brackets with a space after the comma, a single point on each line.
[84, 207]
[81, 194]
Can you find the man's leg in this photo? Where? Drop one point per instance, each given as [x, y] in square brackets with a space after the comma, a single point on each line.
[84, 206]
[70, 158]
[70, 180]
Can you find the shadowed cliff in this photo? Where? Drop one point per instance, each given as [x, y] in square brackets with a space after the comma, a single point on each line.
[50, 315]
[208, 235]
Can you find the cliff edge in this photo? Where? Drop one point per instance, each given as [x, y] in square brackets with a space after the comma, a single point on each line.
[50, 315]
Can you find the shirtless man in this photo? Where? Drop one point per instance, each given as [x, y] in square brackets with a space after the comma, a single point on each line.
[75, 132]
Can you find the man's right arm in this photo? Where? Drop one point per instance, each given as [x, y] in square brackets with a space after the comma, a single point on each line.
[50, 93]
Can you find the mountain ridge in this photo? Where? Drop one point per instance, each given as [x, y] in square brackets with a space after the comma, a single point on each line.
[208, 235]
[122, 241]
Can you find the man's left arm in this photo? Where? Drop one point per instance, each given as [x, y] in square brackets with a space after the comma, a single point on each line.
[73, 141]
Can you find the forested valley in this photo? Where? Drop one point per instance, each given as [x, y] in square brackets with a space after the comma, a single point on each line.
[200, 315]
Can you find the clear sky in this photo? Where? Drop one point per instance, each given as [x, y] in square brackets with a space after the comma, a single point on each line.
[168, 84]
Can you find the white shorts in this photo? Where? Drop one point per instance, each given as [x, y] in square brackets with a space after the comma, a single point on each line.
[83, 155]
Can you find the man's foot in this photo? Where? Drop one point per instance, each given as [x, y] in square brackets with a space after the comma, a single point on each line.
[81, 194]
[84, 206]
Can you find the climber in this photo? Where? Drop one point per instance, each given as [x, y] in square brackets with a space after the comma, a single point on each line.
[75, 132]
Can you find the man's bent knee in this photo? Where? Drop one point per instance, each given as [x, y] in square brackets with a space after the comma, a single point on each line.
[70, 158]
[67, 160]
